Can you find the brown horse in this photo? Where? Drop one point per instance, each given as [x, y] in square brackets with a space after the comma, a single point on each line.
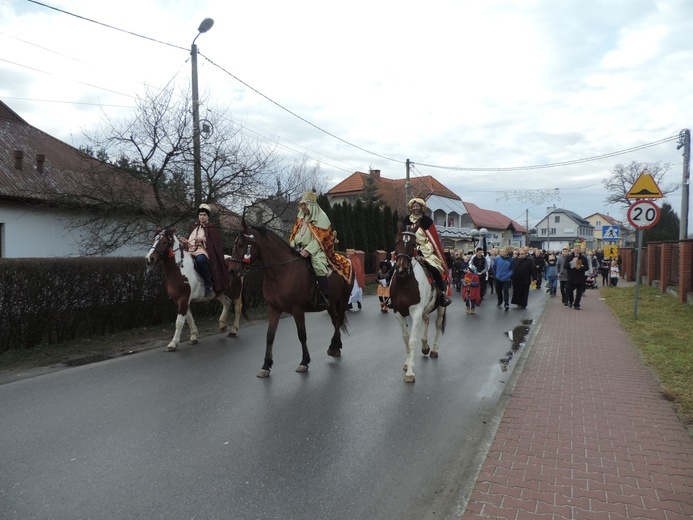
[183, 284]
[413, 294]
[288, 286]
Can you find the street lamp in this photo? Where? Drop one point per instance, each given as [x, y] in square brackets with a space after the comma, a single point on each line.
[205, 26]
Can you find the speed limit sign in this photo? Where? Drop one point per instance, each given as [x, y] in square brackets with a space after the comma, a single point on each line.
[643, 214]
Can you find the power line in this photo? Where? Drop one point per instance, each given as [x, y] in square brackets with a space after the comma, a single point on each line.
[299, 117]
[554, 165]
[106, 25]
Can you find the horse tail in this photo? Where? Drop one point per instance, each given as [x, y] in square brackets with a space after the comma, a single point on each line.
[244, 301]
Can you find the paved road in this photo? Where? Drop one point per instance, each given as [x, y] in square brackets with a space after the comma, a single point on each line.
[195, 435]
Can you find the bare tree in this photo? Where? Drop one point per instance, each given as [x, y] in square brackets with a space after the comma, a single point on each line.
[149, 178]
[623, 177]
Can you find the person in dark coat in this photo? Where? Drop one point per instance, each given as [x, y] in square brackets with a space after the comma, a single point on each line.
[577, 264]
[204, 244]
[523, 272]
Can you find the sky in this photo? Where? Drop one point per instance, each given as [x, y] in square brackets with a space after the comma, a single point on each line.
[476, 93]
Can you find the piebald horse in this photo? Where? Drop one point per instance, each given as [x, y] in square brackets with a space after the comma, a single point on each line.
[184, 285]
[412, 294]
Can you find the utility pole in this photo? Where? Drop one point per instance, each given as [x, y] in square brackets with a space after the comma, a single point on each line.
[685, 142]
[205, 26]
[407, 184]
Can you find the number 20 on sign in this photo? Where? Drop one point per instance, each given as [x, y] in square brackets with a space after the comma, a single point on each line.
[643, 214]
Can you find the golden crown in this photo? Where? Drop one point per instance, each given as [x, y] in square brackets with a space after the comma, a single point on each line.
[309, 196]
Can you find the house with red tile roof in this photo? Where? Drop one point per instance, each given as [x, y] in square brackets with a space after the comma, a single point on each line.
[36, 172]
[455, 219]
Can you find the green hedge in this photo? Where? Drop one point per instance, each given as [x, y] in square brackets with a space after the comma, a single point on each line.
[47, 301]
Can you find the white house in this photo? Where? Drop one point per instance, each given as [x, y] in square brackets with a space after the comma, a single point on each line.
[561, 228]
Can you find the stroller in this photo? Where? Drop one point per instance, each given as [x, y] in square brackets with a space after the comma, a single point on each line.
[591, 281]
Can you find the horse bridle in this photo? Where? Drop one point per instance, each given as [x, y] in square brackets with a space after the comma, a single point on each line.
[247, 257]
[406, 237]
[165, 252]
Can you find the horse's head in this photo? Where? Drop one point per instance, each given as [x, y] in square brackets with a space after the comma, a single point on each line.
[405, 247]
[162, 247]
[244, 252]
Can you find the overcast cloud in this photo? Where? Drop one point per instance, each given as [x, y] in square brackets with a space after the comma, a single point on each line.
[457, 84]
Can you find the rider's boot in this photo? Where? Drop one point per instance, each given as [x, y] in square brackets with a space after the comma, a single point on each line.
[443, 299]
[324, 293]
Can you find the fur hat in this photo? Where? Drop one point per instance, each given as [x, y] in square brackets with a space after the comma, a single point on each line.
[205, 208]
[420, 201]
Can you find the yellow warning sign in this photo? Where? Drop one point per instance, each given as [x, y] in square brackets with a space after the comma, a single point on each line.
[610, 251]
[645, 187]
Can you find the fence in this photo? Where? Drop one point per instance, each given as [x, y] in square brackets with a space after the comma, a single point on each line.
[667, 265]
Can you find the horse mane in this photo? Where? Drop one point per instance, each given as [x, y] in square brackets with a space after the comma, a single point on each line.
[267, 232]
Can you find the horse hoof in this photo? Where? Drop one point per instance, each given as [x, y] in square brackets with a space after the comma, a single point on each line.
[263, 373]
[222, 329]
[192, 342]
[425, 351]
[231, 334]
[434, 354]
[302, 368]
[409, 379]
[170, 348]
[334, 352]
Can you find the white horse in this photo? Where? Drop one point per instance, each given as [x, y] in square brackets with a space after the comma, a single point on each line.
[183, 284]
[412, 294]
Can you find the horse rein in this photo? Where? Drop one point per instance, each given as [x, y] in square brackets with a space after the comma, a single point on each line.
[406, 236]
[247, 257]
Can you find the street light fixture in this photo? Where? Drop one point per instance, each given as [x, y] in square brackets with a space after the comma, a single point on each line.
[205, 26]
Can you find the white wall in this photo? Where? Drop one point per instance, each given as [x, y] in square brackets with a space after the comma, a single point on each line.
[40, 232]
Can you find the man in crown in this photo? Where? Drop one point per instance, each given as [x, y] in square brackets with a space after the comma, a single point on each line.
[312, 236]
[428, 243]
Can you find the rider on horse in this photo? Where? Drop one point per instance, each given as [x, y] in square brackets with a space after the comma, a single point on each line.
[429, 246]
[312, 236]
[204, 244]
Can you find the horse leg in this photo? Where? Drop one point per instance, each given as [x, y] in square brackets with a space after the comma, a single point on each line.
[237, 309]
[409, 361]
[193, 328]
[335, 348]
[425, 349]
[414, 338]
[300, 320]
[440, 318]
[225, 306]
[180, 320]
[273, 321]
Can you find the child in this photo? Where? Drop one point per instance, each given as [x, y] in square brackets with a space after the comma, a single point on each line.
[471, 291]
[615, 273]
[605, 270]
[383, 278]
[551, 275]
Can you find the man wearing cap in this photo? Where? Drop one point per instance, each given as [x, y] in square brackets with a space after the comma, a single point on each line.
[204, 244]
[428, 243]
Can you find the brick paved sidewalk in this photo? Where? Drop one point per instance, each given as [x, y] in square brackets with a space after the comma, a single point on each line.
[586, 433]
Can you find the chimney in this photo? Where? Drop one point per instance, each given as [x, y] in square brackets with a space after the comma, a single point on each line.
[40, 159]
[550, 209]
[375, 173]
[18, 156]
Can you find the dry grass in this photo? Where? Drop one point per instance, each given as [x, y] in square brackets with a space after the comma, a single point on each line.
[663, 333]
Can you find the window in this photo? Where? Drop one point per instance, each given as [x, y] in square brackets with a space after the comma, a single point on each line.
[557, 219]
[599, 223]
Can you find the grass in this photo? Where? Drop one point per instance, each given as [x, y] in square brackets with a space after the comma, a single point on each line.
[662, 332]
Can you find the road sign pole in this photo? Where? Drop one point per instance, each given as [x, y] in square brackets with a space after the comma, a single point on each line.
[637, 273]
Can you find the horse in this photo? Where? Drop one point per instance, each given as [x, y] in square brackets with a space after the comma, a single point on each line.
[237, 297]
[288, 286]
[183, 284]
[412, 294]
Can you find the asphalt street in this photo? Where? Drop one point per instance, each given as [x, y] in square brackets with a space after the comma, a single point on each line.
[195, 435]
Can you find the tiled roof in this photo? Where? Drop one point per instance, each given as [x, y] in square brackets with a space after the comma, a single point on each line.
[65, 169]
[606, 218]
[392, 191]
[491, 219]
